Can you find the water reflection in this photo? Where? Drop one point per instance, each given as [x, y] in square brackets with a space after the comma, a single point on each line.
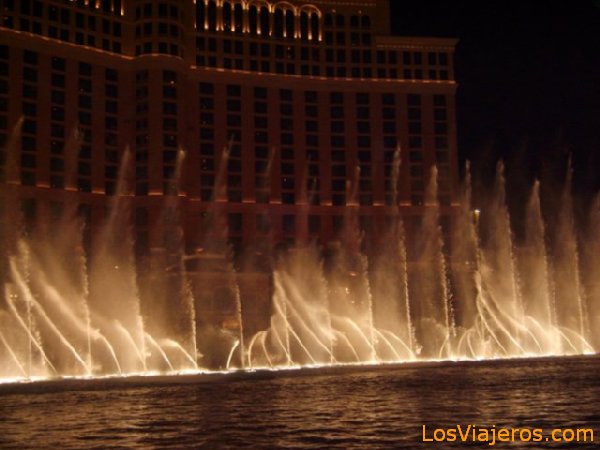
[369, 408]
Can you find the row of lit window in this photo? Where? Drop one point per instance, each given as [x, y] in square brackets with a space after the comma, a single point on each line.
[311, 99]
[266, 66]
[65, 35]
[161, 10]
[64, 16]
[367, 56]
[162, 29]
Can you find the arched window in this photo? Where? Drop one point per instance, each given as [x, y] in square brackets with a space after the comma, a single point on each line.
[304, 26]
[314, 26]
[340, 21]
[289, 24]
[200, 14]
[278, 23]
[366, 21]
[354, 21]
[212, 16]
[328, 20]
[238, 13]
[227, 15]
[253, 19]
[264, 21]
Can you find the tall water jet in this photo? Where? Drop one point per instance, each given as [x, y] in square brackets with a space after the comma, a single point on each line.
[21, 264]
[61, 266]
[350, 290]
[389, 281]
[113, 277]
[31, 336]
[498, 269]
[216, 248]
[570, 303]
[301, 296]
[389, 276]
[593, 269]
[33, 304]
[538, 302]
[464, 259]
[431, 303]
[184, 309]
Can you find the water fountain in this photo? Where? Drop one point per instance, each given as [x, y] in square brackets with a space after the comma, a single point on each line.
[469, 291]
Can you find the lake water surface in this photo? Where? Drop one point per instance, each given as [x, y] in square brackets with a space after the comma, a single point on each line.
[366, 407]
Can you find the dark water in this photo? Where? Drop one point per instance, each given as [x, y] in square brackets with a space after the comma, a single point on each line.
[344, 408]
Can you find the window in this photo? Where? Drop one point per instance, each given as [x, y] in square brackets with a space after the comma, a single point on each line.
[364, 142]
[286, 109]
[170, 108]
[363, 127]
[414, 100]
[337, 112]
[336, 98]
[206, 88]
[311, 111]
[260, 92]
[169, 92]
[439, 100]
[29, 109]
[30, 74]
[30, 57]
[29, 91]
[169, 76]
[85, 85]
[260, 122]
[85, 69]
[337, 141]
[439, 114]
[337, 127]
[58, 114]
[85, 101]
[234, 90]
[362, 99]
[440, 128]
[285, 95]
[29, 126]
[234, 105]
[111, 107]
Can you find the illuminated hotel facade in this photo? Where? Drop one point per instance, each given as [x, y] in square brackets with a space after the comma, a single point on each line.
[282, 108]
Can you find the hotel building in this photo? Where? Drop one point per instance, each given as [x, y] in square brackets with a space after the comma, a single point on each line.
[276, 115]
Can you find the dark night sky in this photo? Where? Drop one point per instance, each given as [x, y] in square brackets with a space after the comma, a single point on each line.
[529, 82]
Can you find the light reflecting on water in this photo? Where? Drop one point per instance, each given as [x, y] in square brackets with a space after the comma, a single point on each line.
[381, 407]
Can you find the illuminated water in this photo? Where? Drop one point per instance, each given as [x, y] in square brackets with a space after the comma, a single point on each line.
[380, 408]
[418, 291]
